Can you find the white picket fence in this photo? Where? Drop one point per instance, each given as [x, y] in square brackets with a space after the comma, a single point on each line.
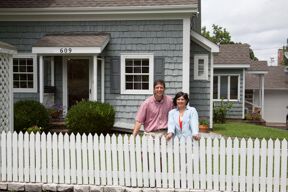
[212, 164]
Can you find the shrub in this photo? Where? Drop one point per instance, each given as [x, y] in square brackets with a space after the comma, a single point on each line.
[90, 117]
[255, 116]
[220, 112]
[203, 122]
[29, 114]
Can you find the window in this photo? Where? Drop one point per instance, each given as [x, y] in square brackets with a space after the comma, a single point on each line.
[201, 67]
[226, 87]
[24, 73]
[137, 73]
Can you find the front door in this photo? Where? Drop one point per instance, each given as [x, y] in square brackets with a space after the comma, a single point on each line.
[77, 80]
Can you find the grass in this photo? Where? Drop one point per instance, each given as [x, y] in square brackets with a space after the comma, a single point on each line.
[246, 130]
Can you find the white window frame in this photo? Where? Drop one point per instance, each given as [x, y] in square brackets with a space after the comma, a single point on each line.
[35, 80]
[228, 84]
[197, 57]
[151, 72]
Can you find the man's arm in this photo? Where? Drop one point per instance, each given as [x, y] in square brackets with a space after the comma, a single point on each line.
[136, 128]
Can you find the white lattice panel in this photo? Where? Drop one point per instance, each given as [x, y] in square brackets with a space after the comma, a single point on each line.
[5, 93]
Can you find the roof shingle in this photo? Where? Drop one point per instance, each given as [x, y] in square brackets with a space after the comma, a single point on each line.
[233, 54]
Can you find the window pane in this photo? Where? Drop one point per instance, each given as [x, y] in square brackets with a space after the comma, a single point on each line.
[145, 69]
[201, 61]
[145, 62]
[137, 86]
[15, 68]
[23, 84]
[129, 70]
[16, 77]
[22, 68]
[30, 84]
[129, 78]
[145, 78]
[129, 85]
[129, 62]
[223, 87]
[215, 87]
[30, 77]
[200, 69]
[16, 84]
[137, 78]
[137, 62]
[29, 62]
[22, 62]
[137, 70]
[145, 86]
[233, 87]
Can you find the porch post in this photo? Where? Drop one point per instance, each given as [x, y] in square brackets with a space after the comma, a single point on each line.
[262, 94]
[41, 79]
[260, 91]
[94, 84]
[52, 71]
[102, 81]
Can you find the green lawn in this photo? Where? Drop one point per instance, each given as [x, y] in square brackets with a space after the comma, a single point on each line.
[236, 129]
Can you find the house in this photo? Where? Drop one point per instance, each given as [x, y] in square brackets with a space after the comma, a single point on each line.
[271, 94]
[230, 67]
[108, 51]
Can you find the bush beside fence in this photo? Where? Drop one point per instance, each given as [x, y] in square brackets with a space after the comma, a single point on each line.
[212, 164]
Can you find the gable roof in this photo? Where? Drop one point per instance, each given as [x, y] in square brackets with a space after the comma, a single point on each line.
[275, 79]
[91, 3]
[233, 55]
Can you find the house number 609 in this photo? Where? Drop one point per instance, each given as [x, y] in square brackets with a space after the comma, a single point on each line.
[65, 50]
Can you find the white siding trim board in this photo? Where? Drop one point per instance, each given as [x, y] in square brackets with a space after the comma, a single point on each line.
[186, 55]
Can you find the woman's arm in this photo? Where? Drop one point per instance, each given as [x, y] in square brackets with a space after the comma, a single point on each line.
[171, 126]
[194, 124]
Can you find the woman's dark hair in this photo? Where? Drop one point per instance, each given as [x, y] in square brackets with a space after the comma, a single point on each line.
[180, 94]
[159, 81]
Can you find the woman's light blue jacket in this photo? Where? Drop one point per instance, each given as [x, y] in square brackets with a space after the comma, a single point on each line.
[190, 122]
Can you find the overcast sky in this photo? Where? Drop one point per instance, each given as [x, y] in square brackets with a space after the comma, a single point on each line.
[261, 23]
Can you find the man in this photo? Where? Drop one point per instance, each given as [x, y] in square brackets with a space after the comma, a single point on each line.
[153, 112]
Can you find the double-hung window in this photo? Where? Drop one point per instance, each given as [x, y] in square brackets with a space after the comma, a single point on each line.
[25, 73]
[201, 67]
[137, 73]
[226, 87]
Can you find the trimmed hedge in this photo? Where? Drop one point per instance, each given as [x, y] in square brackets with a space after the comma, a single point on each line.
[29, 114]
[90, 117]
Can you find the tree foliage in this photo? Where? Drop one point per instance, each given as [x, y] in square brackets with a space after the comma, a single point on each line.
[219, 35]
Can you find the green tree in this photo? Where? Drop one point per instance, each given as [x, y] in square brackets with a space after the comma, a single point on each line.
[219, 35]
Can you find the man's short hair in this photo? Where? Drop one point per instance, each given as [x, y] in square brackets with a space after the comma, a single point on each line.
[159, 81]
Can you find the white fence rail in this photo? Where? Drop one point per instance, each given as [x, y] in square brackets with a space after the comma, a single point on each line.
[213, 164]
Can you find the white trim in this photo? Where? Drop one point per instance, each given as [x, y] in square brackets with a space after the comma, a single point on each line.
[186, 55]
[197, 57]
[257, 72]
[11, 104]
[94, 75]
[35, 72]
[211, 91]
[8, 51]
[231, 66]
[65, 85]
[52, 71]
[262, 95]
[98, 13]
[125, 56]
[74, 50]
[205, 43]
[243, 95]
[228, 87]
[41, 79]
[102, 80]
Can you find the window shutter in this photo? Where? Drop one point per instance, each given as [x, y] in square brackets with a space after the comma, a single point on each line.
[158, 68]
[115, 75]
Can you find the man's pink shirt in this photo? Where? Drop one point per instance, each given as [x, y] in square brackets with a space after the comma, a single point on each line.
[153, 114]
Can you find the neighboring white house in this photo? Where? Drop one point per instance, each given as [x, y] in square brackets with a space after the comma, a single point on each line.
[275, 97]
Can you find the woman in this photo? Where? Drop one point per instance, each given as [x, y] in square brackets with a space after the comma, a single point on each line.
[183, 120]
